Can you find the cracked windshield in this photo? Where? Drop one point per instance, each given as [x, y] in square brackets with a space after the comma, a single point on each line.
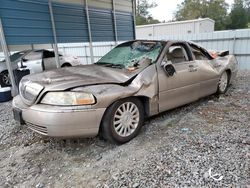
[132, 54]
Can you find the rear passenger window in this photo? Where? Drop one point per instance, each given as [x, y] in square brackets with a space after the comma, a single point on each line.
[198, 54]
[177, 54]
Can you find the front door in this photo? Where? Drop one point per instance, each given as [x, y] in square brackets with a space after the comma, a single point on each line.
[33, 62]
[183, 86]
[49, 60]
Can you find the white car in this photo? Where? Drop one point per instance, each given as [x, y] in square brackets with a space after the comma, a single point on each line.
[36, 61]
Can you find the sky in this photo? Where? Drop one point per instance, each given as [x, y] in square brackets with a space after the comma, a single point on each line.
[166, 9]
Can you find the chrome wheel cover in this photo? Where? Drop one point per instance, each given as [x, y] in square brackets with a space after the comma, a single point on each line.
[6, 79]
[126, 119]
[223, 82]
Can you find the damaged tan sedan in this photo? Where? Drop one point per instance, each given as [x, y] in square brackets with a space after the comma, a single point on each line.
[112, 97]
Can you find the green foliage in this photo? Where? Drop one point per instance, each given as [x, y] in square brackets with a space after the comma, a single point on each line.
[218, 10]
[190, 9]
[239, 16]
[247, 7]
[214, 9]
[143, 16]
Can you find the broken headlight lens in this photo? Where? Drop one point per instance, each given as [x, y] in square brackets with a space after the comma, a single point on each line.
[68, 98]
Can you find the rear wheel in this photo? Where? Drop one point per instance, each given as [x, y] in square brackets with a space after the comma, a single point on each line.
[5, 79]
[122, 120]
[223, 83]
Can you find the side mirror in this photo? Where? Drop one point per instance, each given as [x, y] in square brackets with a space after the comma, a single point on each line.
[168, 68]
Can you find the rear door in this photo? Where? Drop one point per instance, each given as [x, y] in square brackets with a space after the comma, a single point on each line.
[209, 76]
[183, 86]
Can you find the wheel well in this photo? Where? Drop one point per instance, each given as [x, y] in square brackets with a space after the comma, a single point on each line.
[228, 71]
[4, 71]
[66, 65]
[145, 102]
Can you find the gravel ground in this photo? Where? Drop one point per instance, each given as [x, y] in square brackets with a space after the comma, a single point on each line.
[204, 144]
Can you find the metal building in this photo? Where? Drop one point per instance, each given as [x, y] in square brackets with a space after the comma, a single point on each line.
[29, 21]
[26, 24]
[205, 25]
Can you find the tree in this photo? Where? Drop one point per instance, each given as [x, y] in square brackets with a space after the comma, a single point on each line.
[217, 10]
[142, 12]
[239, 16]
[190, 9]
[247, 7]
[214, 9]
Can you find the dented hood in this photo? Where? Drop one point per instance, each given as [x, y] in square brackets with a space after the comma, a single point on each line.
[71, 77]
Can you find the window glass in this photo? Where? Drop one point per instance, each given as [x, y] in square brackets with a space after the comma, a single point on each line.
[48, 54]
[132, 52]
[33, 56]
[16, 56]
[177, 54]
[198, 54]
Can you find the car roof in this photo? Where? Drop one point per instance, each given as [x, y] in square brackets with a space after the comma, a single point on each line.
[166, 41]
[39, 50]
[176, 41]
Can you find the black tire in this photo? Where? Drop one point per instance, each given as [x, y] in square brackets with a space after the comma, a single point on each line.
[66, 65]
[108, 131]
[223, 89]
[3, 79]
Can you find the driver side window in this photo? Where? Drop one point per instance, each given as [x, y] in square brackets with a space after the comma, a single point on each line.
[33, 56]
[48, 54]
[177, 54]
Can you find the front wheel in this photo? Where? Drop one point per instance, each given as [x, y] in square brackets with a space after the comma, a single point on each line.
[223, 83]
[123, 120]
[5, 79]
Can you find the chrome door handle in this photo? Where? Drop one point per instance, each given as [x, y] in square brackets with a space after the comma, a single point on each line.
[217, 65]
[192, 68]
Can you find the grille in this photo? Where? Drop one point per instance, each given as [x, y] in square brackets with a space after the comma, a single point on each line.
[38, 128]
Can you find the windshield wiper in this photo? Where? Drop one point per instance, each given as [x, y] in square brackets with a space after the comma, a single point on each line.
[120, 66]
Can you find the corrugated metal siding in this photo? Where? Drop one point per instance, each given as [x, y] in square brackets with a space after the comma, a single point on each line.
[125, 26]
[124, 5]
[101, 23]
[29, 22]
[77, 2]
[237, 42]
[175, 28]
[206, 27]
[82, 50]
[101, 4]
[71, 23]
[26, 22]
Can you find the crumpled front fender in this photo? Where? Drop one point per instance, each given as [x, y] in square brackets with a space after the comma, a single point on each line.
[144, 84]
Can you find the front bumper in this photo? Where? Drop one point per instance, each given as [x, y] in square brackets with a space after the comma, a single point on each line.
[58, 121]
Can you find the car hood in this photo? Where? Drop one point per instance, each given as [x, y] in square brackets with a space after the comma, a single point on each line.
[71, 77]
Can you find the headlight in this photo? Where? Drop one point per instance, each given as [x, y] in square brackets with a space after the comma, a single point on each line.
[29, 91]
[68, 98]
